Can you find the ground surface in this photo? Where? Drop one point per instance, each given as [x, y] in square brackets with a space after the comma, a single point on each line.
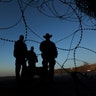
[63, 85]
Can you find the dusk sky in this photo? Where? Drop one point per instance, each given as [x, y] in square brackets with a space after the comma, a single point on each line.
[74, 33]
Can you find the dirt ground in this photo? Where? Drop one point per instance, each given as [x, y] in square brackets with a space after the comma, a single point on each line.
[63, 85]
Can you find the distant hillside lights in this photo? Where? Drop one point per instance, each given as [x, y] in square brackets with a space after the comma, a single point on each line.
[89, 70]
[84, 68]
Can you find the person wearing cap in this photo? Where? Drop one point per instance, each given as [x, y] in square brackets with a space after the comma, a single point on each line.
[20, 53]
[49, 53]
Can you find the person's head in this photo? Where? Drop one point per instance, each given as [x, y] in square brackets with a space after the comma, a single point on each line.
[21, 37]
[47, 36]
[32, 48]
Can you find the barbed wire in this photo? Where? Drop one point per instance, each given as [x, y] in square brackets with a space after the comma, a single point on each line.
[72, 13]
[6, 1]
[49, 8]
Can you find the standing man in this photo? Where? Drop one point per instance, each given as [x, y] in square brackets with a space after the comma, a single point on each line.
[20, 53]
[49, 53]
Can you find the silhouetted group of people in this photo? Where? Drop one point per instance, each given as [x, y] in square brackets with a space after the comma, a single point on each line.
[22, 54]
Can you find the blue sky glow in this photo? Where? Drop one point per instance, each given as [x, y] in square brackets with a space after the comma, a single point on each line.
[12, 24]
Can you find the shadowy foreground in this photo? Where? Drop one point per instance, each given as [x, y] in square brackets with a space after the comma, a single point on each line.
[63, 85]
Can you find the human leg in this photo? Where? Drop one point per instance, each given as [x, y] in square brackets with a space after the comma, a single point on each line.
[51, 69]
[45, 68]
[17, 69]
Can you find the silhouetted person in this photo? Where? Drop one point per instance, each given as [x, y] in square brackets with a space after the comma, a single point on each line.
[20, 53]
[32, 59]
[49, 53]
